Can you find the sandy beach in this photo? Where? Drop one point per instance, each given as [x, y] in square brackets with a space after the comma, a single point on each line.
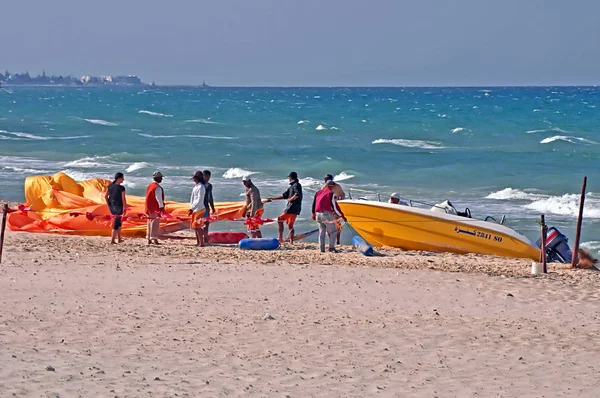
[82, 318]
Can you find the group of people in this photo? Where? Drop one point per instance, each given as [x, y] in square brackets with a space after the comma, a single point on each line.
[325, 209]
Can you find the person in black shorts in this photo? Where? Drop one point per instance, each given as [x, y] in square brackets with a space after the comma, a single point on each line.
[209, 201]
[117, 205]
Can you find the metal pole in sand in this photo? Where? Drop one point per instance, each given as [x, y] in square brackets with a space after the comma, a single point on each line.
[3, 228]
[579, 221]
[543, 248]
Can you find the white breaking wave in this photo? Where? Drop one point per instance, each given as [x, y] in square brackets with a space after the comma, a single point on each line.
[566, 205]
[155, 113]
[101, 122]
[203, 121]
[236, 172]
[21, 170]
[343, 176]
[89, 162]
[310, 182]
[136, 166]
[567, 138]
[18, 136]
[302, 121]
[80, 176]
[321, 127]
[592, 245]
[410, 143]
[516, 194]
[213, 137]
[557, 129]
[457, 129]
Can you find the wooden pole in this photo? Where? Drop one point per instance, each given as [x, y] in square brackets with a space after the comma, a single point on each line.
[543, 248]
[579, 221]
[3, 228]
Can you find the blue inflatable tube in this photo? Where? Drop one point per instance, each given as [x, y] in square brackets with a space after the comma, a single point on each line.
[259, 244]
[362, 246]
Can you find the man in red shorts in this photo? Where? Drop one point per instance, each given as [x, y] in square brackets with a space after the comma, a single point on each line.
[293, 195]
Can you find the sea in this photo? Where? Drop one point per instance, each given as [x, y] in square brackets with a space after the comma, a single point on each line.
[517, 152]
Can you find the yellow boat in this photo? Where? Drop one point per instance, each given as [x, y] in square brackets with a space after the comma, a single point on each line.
[413, 228]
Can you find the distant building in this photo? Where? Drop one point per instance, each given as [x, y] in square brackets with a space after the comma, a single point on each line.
[26, 79]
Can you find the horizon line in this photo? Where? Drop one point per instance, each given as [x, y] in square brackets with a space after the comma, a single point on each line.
[311, 86]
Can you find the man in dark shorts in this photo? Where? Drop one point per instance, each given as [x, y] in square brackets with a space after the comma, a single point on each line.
[209, 201]
[293, 195]
[117, 205]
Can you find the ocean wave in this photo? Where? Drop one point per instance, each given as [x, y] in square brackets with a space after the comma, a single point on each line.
[592, 245]
[136, 166]
[22, 170]
[565, 205]
[321, 127]
[343, 176]
[203, 121]
[302, 121]
[89, 162]
[457, 129]
[155, 113]
[566, 138]
[513, 194]
[101, 122]
[18, 136]
[236, 172]
[557, 129]
[81, 176]
[410, 143]
[310, 182]
[213, 137]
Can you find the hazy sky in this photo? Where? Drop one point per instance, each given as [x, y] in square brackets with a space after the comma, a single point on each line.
[308, 42]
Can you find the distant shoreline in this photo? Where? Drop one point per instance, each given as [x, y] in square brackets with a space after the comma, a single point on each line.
[145, 85]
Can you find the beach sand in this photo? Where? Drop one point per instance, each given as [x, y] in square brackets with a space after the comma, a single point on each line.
[82, 318]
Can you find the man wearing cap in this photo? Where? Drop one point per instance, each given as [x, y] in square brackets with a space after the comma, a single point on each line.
[293, 195]
[155, 206]
[254, 207]
[197, 210]
[325, 210]
[341, 195]
[395, 199]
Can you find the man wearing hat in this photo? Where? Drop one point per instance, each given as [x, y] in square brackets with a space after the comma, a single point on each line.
[254, 207]
[325, 210]
[395, 199]
[293, 195]
[197, 210]
[155, 205]
[341, 195]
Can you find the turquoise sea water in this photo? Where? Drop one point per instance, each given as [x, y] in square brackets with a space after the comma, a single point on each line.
[513, 151]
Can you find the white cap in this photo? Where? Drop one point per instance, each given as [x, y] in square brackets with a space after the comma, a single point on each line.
[395, 195]
[246, 178]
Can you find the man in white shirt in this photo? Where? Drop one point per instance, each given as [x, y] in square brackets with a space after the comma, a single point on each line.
[197, 210]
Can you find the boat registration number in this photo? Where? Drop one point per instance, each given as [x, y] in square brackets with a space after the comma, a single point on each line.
[478, 234]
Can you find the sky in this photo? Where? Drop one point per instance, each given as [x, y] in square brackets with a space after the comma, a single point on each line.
[308, 42]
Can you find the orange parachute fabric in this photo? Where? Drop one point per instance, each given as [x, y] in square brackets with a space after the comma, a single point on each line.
[58, 204]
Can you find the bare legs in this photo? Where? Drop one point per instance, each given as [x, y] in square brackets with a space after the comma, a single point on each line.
[290, 236]
[200, 237]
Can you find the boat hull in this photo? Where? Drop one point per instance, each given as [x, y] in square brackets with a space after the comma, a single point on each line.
[411, 228]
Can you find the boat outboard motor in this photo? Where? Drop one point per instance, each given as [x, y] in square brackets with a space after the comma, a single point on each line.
[557, 246]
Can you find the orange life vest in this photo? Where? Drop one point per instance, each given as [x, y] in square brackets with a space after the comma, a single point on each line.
[151, 202]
